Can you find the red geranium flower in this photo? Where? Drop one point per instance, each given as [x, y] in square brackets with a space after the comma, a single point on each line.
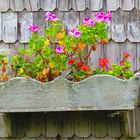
[103, 62]
[126, 54]
[72, 61]
[122, 62]
[79, 64]
[85, 67]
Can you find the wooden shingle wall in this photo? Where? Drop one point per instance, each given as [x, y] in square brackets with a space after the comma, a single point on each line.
[82, 125]
[124, 35]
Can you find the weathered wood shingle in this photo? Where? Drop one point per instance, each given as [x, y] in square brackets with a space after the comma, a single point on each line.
[118, 26]
[133, 26]
[4, 5]
[9, 27]
[79, 5]
[17, 5]
[48, 5]
[24, 20]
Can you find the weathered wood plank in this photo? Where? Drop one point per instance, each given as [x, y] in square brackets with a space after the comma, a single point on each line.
[76, 138]
[100, 124]
[18, 124]
[64, 5]
[93, 123]
[24, 94]
[94, 5]
[130, 123]
[17, 5]
[48, 5]
[79, 5]
[91, 138]
[132, 49]
[4, 5]
[9, 27]
[52, 124]
[24, 20]
[113, 52]
[118, 26]
[133, 26]
[41, 22]
[83, 124]
[66, 124]
[137, 4]
[34, 124]
[32, 5]
[94, 57]
[138, 55]
[71, 19]
[0, 26]
[114, 127]
[127, 4]
[113, 5]
[5, 126]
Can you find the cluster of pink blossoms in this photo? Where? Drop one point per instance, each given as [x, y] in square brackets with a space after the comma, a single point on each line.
[101, 16]
[34, 28]
[75, 32]
[50, 16]
[89, 21]
[59, 49]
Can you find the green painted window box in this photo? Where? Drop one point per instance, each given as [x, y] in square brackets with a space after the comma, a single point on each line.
[99, 92]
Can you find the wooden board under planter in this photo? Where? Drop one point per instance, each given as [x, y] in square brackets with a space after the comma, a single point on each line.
[99, 92]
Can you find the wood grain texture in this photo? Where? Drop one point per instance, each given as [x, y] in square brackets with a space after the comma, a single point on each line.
[100, 124]
[113, 5]
[0, 27]
[64, 5]
[118, 26]
[17, 5]
[94, 5]
[24, 20]
[41, 22]
[66, 124]
[132, 49]
[5, 126]
[113, 52]
[24, 95]
[133, 26]
[79, 5]
[9, 27]
[127, 4]
[83, 124]
[32, 5]
[130, 123]
[137, 4]
[4, 5]
[34, 124]
[71, 19]
[48, 5]
[52, 124]
[114, 127]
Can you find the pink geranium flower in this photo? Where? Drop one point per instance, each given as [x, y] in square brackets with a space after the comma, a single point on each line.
[74, 32]
[51, 16]
[101, 16]
[89, 21]
[59, 49]
[33, 28]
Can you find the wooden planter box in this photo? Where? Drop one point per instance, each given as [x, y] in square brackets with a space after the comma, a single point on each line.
[99, 92]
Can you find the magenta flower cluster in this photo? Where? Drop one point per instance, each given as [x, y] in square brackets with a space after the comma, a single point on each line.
[59, 49]
[50, 16]
[75, 32]
[33, 28]
[89, 21]
[101, 16]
